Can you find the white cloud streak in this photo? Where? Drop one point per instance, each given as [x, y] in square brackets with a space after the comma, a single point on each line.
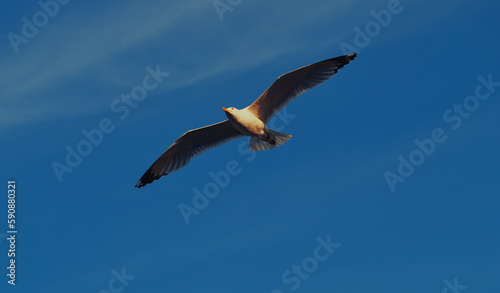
[65, 70]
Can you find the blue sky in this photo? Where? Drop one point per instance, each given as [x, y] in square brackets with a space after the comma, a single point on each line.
[423, 71]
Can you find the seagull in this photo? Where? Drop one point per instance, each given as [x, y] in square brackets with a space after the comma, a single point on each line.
[250, 121]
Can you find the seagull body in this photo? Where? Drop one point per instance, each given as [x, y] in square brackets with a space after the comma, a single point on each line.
[248, 124]
[245, 122]
[250, 121]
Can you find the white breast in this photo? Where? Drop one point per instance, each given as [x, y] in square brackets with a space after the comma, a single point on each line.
[246, 122]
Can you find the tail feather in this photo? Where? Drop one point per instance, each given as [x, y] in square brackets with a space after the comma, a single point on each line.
[275, 139]
[279, 137]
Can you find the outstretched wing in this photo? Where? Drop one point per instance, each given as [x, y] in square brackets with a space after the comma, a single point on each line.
[294, 83]
[188, 146]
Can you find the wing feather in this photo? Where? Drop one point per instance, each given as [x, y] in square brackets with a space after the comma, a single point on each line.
[293, 84]
[188, 146]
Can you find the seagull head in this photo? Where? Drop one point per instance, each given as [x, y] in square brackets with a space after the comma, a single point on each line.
[229, 111]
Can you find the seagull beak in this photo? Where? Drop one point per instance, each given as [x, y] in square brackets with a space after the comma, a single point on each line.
[225, 109]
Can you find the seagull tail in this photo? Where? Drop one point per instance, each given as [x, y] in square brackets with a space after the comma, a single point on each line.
[275, 139]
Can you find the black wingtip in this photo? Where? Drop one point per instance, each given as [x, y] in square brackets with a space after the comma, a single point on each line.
[343, 60]
[143, 182]
[148, 178]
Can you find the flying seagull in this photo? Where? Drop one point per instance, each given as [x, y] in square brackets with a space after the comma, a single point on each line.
[250, 121]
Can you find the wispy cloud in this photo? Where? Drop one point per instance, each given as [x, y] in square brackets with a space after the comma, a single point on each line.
[68, 70]
[50, 72]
